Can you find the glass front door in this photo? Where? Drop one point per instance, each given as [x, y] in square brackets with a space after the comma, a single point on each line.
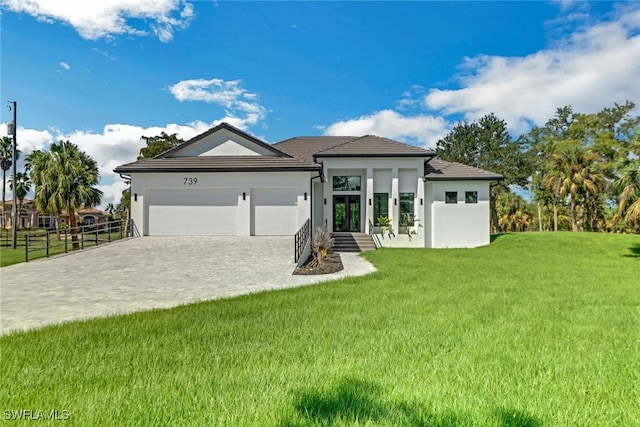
[346, 213]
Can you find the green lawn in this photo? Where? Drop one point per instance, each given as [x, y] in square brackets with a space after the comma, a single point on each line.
[10, 256]
[534, 330]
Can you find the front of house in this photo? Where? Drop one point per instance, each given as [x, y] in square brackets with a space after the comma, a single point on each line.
[226, 182]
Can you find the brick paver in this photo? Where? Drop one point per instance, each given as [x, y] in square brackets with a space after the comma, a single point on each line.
[149, 272]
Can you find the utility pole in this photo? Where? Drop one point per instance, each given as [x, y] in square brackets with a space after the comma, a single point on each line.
[14, 207]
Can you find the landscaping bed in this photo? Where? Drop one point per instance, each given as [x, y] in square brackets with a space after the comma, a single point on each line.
[332, 264]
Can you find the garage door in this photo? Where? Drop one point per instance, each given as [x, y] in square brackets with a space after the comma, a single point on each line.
[202, 212]
[274, 211]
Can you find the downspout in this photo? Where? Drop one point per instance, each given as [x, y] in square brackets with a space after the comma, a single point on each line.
[495, 207]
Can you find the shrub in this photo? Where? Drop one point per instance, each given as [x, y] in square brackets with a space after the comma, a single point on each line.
[321, 244]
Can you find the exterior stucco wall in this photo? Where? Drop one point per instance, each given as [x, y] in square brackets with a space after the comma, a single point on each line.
[246, 182]
[223, 143]
[459, 225]
[380, 175]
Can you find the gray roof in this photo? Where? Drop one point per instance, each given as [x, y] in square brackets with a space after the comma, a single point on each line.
[302, 154]
[349, 146]
[219, 164]
[440, 170]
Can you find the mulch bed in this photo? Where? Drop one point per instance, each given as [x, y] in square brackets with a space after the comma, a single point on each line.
[332, 264]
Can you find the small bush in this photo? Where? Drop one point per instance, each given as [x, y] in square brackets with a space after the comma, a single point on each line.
[321, 245]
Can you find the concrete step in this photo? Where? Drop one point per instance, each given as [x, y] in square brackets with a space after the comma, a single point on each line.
[352, 242]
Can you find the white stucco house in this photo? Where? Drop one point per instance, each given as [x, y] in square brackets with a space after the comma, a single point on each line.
[227, 182]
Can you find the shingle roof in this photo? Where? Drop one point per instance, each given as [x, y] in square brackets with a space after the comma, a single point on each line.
[307, 146]
[374, 146]
[218, 164]
[311, 147]
[440, 170]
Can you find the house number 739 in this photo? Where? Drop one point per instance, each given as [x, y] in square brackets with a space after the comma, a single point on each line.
[190, 181]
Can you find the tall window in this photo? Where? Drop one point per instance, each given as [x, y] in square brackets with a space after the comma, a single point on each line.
[406, 209]
[380, 206]
[346, 183]
[451, 197]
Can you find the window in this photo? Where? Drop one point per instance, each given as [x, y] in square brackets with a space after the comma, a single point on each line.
[471, 197]
[451, 197]
[380, 206]
[346, 183]
[406, 209]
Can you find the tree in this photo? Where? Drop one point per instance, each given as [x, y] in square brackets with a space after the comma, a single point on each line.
[6, 161]
[22, 186]
[158, 144]
[571, 171]
[512, 212]
[64, 179]
[487, 144]
[628, 184]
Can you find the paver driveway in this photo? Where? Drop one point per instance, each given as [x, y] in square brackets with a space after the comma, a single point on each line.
[149, 272]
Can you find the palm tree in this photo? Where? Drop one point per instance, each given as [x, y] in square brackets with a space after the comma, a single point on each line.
[64, 179]
[6, 161]
[572, 170]
[22, 187]
[628, 185]
[512, 211]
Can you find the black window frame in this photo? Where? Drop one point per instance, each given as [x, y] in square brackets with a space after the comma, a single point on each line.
[473, 199]
[407, 207]
[447, 197]
[347, 184]
[378, 202]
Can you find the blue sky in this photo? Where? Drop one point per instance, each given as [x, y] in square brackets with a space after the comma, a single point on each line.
[103, 73]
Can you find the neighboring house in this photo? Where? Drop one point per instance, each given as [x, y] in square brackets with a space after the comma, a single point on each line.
[30, 218]
[226, 182]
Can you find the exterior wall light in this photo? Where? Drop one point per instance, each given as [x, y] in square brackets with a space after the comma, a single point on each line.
[244, 196]
[135, 197]
[305, 196]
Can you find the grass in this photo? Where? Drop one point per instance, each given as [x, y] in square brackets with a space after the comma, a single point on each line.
[534, 330]
[9, 256]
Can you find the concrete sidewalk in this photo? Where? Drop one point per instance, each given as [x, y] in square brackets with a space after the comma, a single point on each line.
[150, 272]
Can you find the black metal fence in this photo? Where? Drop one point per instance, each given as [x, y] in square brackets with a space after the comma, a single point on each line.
[70, 239]
[301, 238]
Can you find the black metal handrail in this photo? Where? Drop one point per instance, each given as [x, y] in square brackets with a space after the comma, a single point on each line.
[374, 237]
[73, 238]
[301, 238]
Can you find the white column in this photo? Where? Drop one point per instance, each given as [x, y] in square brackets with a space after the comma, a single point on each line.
[369, 200]
[395, 201]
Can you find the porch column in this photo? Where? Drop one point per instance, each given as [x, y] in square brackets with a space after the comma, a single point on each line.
[420, 203]
[395, 201]
[369, 200]
[327, 201]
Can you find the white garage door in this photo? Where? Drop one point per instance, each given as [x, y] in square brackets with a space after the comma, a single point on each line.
[189, 212]
[274, 211]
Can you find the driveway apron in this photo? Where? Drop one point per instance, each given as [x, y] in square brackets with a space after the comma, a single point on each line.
[147, 273]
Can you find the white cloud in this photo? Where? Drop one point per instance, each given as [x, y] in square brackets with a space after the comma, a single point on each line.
[422, 129]
[115, 145]
[241, 106]
[592, 68]
[65, 65]
[106, 18]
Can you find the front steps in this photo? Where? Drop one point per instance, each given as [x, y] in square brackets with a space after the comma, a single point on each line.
[352, 242]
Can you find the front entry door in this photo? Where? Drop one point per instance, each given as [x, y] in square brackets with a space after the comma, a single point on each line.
[346, 213]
